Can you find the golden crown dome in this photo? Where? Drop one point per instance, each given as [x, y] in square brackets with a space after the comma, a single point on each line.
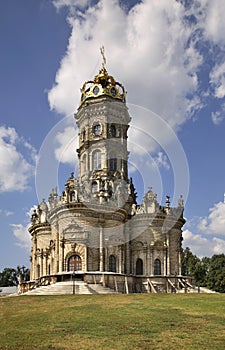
[103, 84]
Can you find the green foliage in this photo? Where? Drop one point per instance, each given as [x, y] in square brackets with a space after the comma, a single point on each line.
[189, 261]
[10, 277]
[206, 272]
[216, 274]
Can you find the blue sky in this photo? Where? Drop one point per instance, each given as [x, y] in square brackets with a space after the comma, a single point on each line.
[169, 55]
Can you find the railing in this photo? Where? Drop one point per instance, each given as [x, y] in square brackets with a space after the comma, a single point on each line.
[30, 285]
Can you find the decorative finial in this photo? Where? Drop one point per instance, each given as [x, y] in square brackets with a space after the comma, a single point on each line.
[102, 49]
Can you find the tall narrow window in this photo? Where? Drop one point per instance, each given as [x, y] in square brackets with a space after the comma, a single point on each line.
[72, 197]
[112, 263]
[38, 271]
[112, 164]
[112, 130]
[96, 160]
[157, 267]
[139, 267]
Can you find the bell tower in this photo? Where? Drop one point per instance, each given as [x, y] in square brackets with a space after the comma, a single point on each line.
[103, 122]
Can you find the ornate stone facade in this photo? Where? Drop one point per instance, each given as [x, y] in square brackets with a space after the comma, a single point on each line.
[96, 225]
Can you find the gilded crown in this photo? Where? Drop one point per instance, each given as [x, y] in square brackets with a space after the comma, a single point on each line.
[102, 85]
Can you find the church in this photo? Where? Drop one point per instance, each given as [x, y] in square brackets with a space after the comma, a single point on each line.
[95, 230]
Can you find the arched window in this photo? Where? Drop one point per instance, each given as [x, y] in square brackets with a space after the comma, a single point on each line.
[72, 197]
[75, 263]
[157, 267]
[94, 187]
[112, 263]
[139, 267]
[112, 164]
[96, 160]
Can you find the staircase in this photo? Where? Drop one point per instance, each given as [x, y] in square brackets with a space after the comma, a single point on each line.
[67, 287]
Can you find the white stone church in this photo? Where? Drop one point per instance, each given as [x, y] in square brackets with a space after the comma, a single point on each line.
[95, 230]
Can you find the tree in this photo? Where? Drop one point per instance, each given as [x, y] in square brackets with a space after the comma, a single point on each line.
[195, 267]
[200, 273]
[189, 261]
[23, 272]
[10, 277]
[216, 274]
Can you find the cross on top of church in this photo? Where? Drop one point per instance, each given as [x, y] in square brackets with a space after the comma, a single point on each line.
[102, 50]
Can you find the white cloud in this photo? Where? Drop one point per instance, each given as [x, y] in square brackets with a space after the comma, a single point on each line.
[22, 235]
[217, 77]
[162, 160]
[217, 117]
[213, 18]
[6, 212]
[148, 49]
[214, 223]
[66, 145]
[160, 51]
[202, 246]
[154, 49]
[80, 3]
[15, 169]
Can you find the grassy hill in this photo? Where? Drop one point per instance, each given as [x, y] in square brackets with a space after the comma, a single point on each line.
[135, 321]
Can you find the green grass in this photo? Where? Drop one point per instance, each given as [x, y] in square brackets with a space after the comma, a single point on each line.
[135, 321]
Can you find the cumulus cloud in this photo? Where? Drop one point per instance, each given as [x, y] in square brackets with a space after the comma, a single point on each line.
[66, 145]
[162, 51]
[77, 3]
[162, 160]
[149, 49]
[156, 49]
[214, 223]
[213, 18]
[202, 246]
[217, 117]
[17, 158]
[22, 235]
[217, 77]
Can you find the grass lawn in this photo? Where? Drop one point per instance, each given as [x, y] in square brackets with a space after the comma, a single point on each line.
[135, 321]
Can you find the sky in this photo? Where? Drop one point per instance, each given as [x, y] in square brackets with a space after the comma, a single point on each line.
[169, 55]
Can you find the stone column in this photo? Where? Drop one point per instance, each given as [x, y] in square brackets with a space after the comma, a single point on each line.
[168, 256]
[101, 249]
[106, 258]
[86, 257]
[164, 262]
[57, 248]
[148, 261]
[179, 263]
[62, 260]
[34, 259]
[46, 263]
[120, 259]
[41, 256]
[151, 261]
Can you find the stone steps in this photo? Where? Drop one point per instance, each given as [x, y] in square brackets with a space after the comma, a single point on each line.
[67, 287]
[100, 289]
